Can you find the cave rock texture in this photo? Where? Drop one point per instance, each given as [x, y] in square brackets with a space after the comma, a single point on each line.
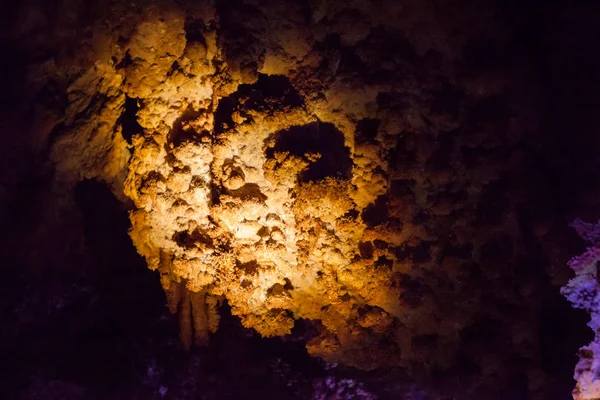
[582, 292]
[366, 168]
[269, 174]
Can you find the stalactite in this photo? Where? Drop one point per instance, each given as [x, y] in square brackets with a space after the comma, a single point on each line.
[198, 314]
[212, 304]
[185, 319]
[200, 317]
[173, 294]
[173, 289]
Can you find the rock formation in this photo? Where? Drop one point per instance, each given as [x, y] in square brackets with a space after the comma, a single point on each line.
[298, 191]
[582, 292]
[362, 166]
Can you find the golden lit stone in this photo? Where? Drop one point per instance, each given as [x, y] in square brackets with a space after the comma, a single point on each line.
[265, 201]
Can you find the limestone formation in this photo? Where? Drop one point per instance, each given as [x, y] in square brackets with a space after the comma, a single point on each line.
[297, 192]
[582, 292]
[348, 163]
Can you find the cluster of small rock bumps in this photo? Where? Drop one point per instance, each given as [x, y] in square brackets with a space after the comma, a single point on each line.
[352, 165]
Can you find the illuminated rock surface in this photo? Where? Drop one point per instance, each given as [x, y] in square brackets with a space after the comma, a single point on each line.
[278, 194]
[376, 171]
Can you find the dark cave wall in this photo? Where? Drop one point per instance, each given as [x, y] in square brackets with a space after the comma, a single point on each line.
[497, 149]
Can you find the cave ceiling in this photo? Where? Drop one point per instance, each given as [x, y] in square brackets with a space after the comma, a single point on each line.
[351, 165]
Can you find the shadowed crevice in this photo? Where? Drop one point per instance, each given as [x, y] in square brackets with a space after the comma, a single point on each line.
[317, 137]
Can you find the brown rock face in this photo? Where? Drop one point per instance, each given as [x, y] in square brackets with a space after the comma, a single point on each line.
[319, 170]
[356, 164]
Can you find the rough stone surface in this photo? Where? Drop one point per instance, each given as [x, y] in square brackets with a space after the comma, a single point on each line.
[331, 178]
[582, 292]
[378, 170]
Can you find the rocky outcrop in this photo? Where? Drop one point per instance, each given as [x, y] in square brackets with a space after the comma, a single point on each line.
[364, 166]
[329, 172]
[582, 292]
